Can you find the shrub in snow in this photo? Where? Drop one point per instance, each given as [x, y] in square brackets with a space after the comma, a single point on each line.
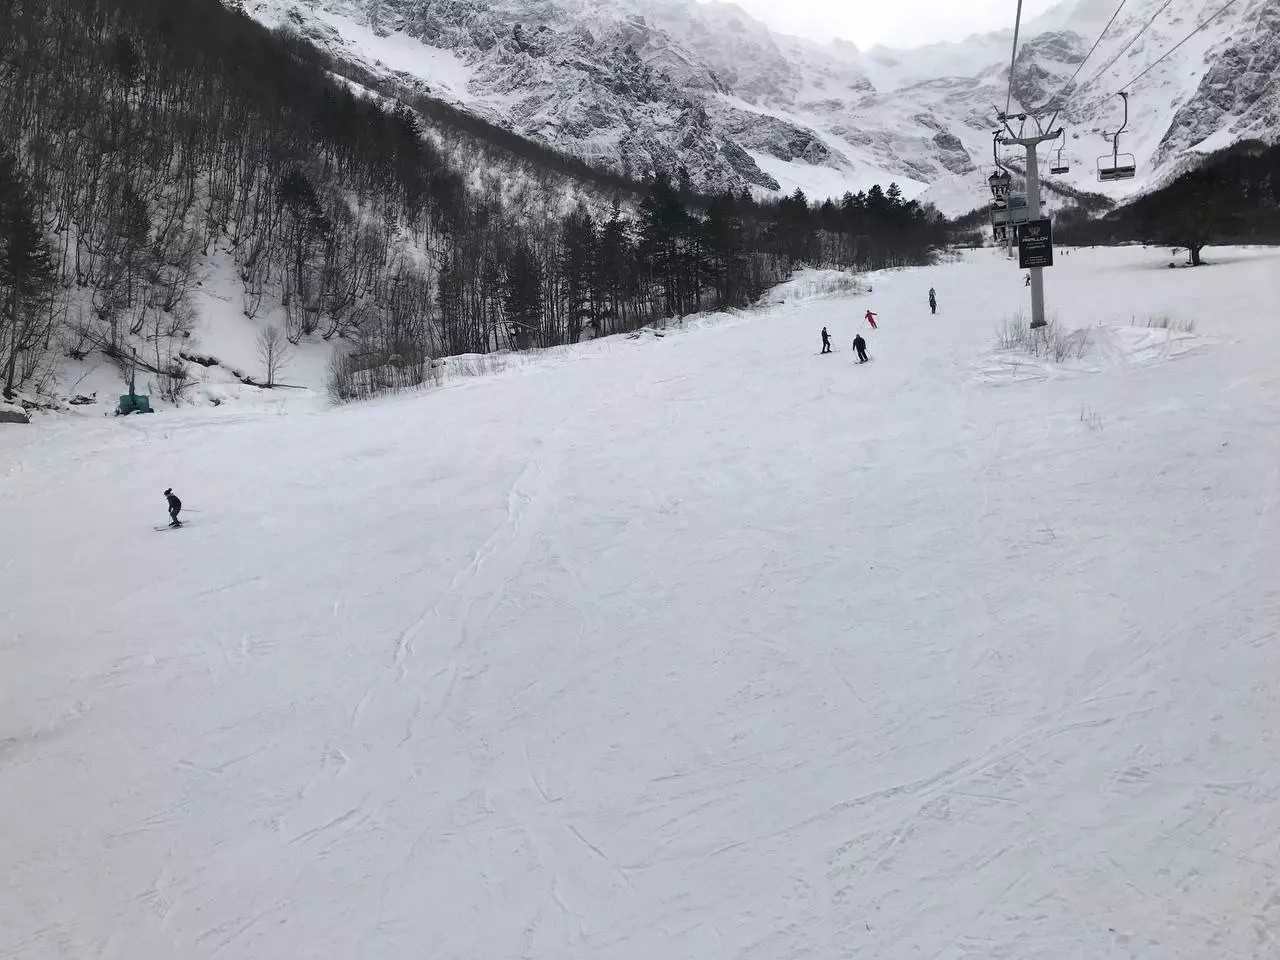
[372, 373]
[173, 382]
[1013, 332]
[1162, 321]
[480, 364]
[1051, 342]
[1090, 417]
[820, 285]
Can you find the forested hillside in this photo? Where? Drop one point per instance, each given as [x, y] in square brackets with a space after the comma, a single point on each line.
[1234, 197]
[144, 138]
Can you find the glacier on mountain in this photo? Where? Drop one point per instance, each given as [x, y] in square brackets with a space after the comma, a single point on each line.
[637, 85]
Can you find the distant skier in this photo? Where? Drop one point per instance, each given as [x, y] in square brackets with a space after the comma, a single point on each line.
[175, 506]
[860, 347]
[1026, 281]
[871, 319]
[933, 301]
[826, 341]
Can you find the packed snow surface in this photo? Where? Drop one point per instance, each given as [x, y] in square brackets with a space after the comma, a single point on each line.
[701, 645]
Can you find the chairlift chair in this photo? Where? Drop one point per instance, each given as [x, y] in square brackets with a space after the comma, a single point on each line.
[1118, 166]
[1000, 182]
[1060, 166]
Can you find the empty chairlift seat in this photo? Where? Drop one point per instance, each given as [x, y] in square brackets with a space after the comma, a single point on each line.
[1059, 166]
[1117, 167]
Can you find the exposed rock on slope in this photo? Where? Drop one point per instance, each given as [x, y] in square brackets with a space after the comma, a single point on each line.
[641, 84]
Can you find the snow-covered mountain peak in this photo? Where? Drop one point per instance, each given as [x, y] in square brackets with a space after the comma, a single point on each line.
[639, 85]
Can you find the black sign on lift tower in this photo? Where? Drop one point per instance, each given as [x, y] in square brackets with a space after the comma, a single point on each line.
[1035, 244]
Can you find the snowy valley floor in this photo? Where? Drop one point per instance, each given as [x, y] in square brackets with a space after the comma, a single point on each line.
[704, 646]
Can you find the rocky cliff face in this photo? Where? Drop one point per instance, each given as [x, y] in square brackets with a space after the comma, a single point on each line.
[1239, 94]
[643, 84]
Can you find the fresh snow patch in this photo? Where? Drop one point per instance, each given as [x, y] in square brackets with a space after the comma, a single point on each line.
[400, 53]
[823, 183]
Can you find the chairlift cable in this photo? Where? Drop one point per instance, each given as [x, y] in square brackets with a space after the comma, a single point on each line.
[1132, 40]
[1013, 58]
[1080, 66]
[1220, 11]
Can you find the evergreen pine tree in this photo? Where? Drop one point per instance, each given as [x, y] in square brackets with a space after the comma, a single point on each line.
[577, 257]
[726, 241]
[27, 271]
[522, 299]
[614, 271]
[664, 223]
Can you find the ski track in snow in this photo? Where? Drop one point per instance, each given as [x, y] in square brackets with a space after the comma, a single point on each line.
[703, 646]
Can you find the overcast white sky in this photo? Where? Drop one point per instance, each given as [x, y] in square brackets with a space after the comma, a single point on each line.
[899, 23]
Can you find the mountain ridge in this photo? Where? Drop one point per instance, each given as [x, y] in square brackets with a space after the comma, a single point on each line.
[645, 84]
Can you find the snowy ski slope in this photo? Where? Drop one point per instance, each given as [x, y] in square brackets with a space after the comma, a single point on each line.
[698, 646]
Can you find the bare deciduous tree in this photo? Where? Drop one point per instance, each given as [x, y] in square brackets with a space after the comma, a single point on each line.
[275, 353]
[151, 145]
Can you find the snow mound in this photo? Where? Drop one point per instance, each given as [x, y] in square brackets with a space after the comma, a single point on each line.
[1140, 346]
[810, 285]
[1059, 352]
[12, 413]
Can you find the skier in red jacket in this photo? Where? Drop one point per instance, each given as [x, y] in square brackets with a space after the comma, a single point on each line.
[871, 319]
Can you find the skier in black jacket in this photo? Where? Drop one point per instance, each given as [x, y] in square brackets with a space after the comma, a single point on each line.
[175, 505]
[860, 346]
[826, 341]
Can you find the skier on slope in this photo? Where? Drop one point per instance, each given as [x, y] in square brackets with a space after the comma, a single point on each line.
[871, 319]
[860, 347]
[826, 341]
[175, 506]
[933, 301]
